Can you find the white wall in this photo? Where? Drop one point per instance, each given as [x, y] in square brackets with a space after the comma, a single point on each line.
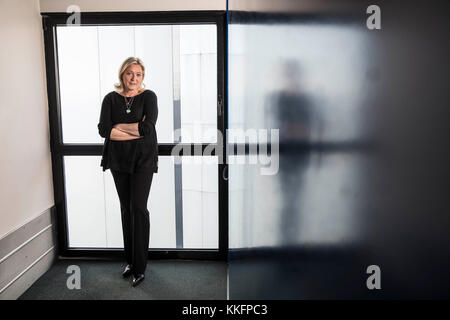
[132, 5]
[26, 187]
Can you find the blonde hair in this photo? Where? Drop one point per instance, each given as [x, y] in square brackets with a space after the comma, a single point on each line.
[128, 62]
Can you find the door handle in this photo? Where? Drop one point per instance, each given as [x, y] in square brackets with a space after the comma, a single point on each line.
[225, 172]
[219, 105]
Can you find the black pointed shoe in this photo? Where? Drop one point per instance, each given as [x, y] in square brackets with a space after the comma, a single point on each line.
[138, 279]
[127, 272]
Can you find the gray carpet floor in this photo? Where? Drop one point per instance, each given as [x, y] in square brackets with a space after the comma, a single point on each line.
[164, 280]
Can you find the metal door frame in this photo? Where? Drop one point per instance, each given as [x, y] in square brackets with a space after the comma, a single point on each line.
[59, 150]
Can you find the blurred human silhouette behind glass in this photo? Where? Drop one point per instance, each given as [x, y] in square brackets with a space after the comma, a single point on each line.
[291, 109]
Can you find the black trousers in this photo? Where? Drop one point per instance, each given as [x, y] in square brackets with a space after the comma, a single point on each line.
[133, 190]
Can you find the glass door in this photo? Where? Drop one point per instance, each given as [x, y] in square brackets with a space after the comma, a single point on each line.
[185, 69]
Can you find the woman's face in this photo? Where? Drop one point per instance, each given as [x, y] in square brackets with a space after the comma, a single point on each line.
[132, 77]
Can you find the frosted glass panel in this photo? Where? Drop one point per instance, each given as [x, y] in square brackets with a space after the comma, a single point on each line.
[181, 68]
[311, 85]
[85, 198]
[185, 200]
[200, 202]
[324, 63]
[198, 57]
[79, 72]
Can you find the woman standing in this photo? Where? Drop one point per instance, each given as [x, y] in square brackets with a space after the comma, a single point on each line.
[127, 122]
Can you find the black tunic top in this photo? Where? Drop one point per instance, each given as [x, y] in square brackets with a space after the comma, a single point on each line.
[137, 155]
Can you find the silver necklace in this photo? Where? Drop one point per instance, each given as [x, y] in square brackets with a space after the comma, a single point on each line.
[128, 104]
